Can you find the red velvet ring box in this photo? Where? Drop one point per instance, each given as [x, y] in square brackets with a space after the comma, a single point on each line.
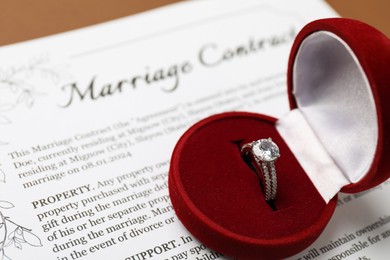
[335, 138]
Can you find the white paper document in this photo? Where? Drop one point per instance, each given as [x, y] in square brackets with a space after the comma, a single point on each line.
[89, 119]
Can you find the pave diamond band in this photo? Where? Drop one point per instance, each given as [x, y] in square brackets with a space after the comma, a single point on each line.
[270, 181]
[264, 153]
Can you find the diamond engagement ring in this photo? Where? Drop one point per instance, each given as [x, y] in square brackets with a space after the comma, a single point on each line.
[264, 152]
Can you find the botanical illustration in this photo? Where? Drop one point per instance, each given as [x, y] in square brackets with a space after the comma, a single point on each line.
[13, 234]
[20, 86]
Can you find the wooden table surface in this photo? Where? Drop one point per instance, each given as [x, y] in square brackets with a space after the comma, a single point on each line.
[27, 19]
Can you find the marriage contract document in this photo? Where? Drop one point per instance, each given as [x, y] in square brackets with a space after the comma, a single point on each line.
[89, 119]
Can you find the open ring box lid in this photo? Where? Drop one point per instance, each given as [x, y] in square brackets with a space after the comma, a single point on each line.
[335, 138]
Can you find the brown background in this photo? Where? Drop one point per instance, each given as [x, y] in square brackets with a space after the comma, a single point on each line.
[27, 19]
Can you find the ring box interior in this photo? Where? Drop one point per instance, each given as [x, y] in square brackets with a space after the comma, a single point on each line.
[335, 138]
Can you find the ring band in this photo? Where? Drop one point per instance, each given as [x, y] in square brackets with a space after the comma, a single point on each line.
[264, 152]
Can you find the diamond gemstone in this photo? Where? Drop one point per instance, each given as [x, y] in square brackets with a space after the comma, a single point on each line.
[266, 150]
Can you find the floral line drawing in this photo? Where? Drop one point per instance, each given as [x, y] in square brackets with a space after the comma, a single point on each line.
[17, 80]
[19, 236]
[21, 85]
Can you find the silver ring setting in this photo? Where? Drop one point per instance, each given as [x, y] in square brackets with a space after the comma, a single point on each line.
[264, 152]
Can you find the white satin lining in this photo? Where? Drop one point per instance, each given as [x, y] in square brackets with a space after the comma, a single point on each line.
[334, 131]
